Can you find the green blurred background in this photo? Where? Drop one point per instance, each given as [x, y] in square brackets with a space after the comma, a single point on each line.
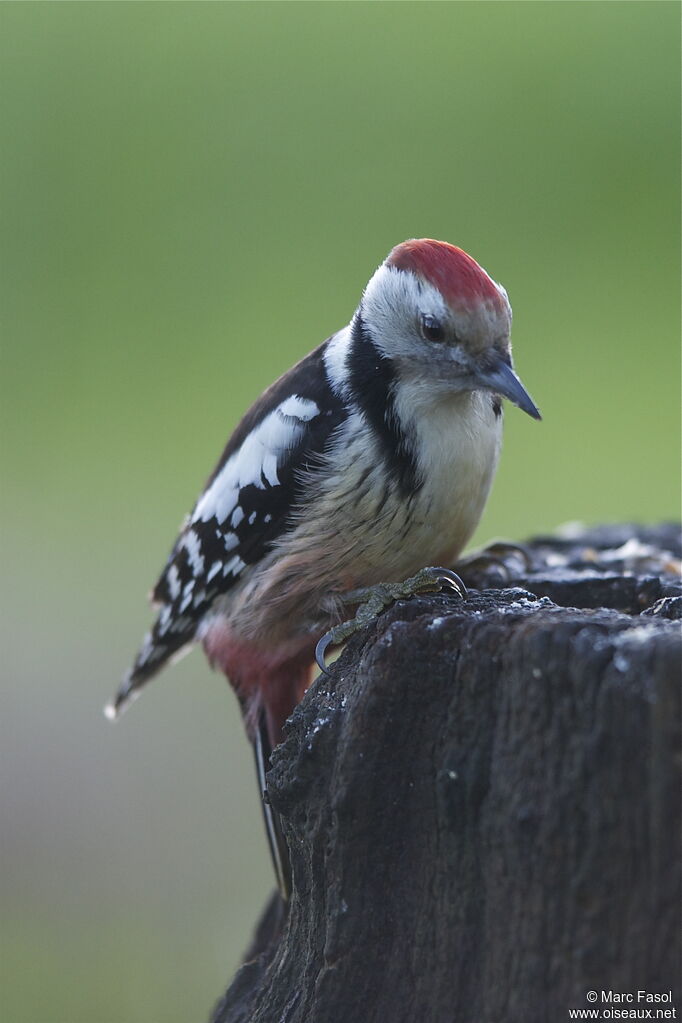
[193, 197]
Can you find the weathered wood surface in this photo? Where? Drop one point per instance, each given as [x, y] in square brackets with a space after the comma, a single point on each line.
[482, 801]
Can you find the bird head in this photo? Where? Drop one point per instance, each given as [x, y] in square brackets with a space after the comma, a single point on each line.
[439, 316]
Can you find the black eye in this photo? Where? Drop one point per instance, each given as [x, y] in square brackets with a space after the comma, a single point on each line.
[432, 328]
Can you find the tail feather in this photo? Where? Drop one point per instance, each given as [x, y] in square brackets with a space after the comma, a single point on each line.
[157, 651]
[273, 826]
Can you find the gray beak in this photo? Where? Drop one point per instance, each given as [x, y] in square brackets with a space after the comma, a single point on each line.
[500, 378]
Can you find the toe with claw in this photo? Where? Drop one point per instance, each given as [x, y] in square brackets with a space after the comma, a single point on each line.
[372, 600]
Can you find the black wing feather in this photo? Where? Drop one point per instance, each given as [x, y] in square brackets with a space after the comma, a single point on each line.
[194, 575]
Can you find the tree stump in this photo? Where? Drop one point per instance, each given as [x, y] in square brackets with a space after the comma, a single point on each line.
[482, 801]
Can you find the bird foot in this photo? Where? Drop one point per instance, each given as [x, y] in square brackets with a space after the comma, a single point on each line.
[495, 564]
[372, 600]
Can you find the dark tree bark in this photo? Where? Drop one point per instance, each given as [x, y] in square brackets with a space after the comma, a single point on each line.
[482, 802]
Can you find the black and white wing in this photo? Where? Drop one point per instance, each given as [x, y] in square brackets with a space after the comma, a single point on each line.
[244, 508]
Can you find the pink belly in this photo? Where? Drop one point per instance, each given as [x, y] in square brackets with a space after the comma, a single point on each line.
[272, 678]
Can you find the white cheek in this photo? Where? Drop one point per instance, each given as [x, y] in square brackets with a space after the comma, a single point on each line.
[395, 300]
[392, 306]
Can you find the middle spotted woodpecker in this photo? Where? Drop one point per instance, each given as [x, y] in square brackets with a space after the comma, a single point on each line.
[369, 459]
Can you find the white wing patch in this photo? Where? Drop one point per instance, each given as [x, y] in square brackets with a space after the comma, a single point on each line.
[186, 596]
[192, 545]
[173, 580]
[257, 460]
[234, 566]
[298, 408]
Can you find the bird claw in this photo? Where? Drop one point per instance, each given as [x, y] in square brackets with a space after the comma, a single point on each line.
[449, 580]
[373, 600]
[321, 649]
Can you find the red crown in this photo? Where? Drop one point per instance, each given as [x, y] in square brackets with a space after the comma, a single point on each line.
[457, 276]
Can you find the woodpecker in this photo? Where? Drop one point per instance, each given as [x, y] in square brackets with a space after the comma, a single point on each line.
[370, 458]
